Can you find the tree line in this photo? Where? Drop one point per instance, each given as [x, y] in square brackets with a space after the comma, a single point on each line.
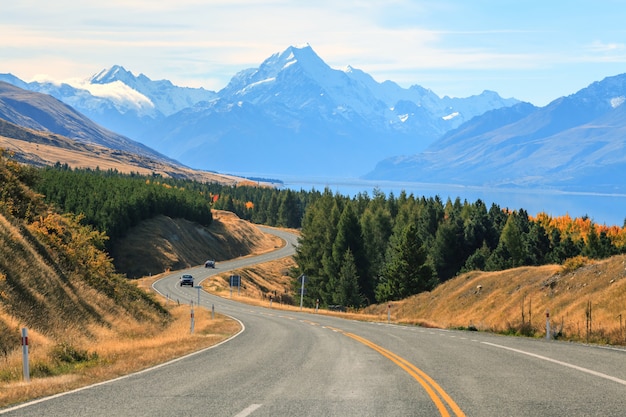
[353, 250]
[113, 202]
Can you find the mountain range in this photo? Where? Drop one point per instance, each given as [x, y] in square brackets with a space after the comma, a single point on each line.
[42, 112]
[292, 115]
[575, 143]
[37, 129]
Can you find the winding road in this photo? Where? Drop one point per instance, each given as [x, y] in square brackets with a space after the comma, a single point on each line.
[294, 364]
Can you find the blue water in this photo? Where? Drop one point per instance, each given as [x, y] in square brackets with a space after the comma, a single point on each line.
[608, 209]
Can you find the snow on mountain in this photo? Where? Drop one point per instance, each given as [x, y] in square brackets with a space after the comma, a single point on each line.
[574, 143]
[162, 94]
[295, 105]
[119, 100]
[123, 96]
[344, 121]
[300, 79]
[45, 113]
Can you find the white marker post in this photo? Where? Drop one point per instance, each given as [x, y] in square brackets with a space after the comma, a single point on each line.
[26, 366]
[388, 313]
[547, 324]
[302, 277]
[192, 318]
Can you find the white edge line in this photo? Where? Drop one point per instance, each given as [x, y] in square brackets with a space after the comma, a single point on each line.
[61, 394]
[568, 365]
[143, 371]
[251, 409]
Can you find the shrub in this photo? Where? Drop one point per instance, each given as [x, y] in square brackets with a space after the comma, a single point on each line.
[66, 353]
[572, 264]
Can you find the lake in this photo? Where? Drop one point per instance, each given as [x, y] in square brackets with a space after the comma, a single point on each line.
[608, 209]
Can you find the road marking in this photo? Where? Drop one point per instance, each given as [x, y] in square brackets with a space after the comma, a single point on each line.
[568, 365]
[429, 385]
[249, 410]
[144, 371]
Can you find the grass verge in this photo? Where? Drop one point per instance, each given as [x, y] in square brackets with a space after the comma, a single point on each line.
[61, 368]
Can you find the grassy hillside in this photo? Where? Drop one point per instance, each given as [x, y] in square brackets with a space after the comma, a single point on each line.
[515, 301]
[43, 148]
[162, 243]
[55, 278]
[82, 317]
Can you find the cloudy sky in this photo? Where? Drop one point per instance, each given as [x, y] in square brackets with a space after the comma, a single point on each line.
[531, 50]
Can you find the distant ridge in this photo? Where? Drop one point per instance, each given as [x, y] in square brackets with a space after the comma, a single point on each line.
[43, 112]
[293, 114]
[575, 143]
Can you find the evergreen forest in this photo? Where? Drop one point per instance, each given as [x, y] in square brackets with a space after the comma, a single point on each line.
[353, 251]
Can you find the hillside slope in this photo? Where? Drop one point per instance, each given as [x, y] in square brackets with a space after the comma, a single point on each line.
[163, 243]
[54, 276]
[85, 321]
[496, 301]
[39, 148]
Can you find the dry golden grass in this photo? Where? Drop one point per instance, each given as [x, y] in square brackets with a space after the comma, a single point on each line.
[266, 279]
[163, 243]
[81, 155]
[106, 351]
[493, 301]
[113, 352]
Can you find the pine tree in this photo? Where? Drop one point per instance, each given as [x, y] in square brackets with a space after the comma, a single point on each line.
[349, 236]
[347, 290]
[406, 270]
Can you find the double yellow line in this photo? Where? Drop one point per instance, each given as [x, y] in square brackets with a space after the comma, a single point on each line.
[434, 391]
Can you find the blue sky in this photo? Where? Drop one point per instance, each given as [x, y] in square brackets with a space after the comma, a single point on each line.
[531, 50]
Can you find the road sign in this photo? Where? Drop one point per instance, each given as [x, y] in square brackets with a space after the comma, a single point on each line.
[235, 280]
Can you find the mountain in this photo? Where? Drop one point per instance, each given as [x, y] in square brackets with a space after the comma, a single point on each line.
[45, 113]
[43, 147]
[117, 99]
[575, 143]
[292, 115]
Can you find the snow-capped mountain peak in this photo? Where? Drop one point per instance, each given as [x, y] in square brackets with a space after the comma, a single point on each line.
[293, 98]
[115, 73]
[123, 96]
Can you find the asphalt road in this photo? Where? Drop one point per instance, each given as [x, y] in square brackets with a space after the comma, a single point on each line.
[300, 364]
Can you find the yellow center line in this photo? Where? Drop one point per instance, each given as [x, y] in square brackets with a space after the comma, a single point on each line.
[429, 385]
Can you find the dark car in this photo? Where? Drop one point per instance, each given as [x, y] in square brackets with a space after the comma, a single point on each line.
[209, 264]
[186, 280]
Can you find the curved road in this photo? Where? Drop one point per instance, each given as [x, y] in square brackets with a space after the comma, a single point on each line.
[300, 364]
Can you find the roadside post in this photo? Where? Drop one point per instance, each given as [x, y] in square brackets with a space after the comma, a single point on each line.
[26, 367]
[302, 278]
[192, 318]
[547, 324]
[317, 305]
[198, 287]
[212, 311]
[388, 312]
